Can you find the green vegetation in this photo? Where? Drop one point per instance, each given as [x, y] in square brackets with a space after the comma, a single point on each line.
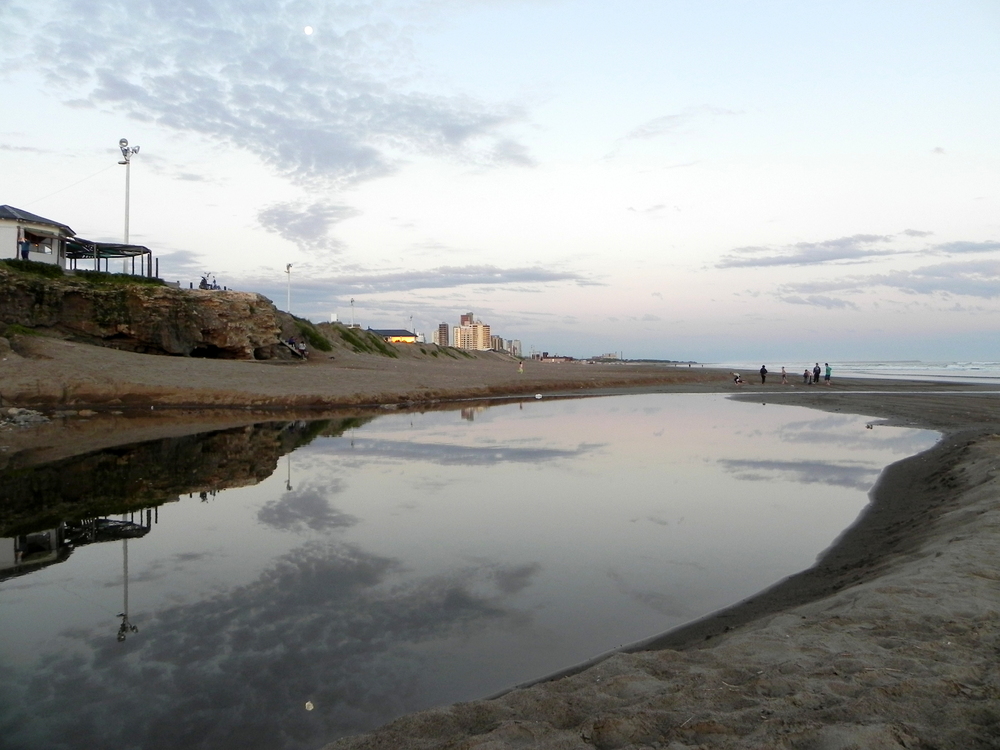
[18, 330]
[34, 268]
[363, 341]
[316, 339]
[115, 279]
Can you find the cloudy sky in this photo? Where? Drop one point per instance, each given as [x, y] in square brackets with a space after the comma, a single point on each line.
[768, 181]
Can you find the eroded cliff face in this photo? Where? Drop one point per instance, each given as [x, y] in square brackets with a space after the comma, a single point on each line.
[144, 318]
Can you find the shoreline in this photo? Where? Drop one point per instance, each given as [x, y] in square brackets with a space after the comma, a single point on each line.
[924, 546]
[885, 642]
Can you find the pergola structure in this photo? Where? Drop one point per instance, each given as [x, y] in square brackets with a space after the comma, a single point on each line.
[78, 248]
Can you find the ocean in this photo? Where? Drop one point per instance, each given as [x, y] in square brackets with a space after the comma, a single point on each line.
[970, 372]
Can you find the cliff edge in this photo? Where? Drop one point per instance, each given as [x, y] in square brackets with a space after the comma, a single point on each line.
[139, 314]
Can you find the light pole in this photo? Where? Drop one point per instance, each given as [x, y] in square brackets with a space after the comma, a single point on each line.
[127, 152]
[288, 298]
[352, 312]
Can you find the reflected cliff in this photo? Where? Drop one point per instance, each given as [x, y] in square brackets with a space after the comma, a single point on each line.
[129, 478]
[286, 583]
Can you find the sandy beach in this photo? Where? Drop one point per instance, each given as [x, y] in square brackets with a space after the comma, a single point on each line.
[889, 641]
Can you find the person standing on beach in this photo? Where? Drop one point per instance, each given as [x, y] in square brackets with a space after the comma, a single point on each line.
[805, 377]
[784, 380]
[763, 374]
[816, 372]
[829, 372]
[520, 366]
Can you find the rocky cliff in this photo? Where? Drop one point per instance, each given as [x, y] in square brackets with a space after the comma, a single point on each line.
[140, 317]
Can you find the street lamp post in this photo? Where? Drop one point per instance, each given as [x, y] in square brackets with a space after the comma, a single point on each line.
[127, 152]
[352, 312]
[288, 296]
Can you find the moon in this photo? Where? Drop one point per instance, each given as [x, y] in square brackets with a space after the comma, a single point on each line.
[308, 30]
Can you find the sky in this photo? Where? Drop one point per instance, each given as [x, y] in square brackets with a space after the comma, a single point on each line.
[714, 181]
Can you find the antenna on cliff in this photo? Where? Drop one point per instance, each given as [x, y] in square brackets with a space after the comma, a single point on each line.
[288, 298]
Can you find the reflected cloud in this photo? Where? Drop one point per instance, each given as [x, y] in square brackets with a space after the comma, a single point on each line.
[445, 454]
[331, 624]
[306, 508]
[845, 433]
[665, 604]
[841, 474]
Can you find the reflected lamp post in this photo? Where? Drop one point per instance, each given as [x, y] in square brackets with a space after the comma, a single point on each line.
[127, 153]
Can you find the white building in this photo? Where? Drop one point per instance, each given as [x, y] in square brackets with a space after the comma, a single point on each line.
[29, 237]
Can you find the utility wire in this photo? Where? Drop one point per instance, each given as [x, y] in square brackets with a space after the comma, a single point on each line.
[69, 186]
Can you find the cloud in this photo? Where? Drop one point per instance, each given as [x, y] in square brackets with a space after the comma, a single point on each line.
[968, 278]
[305, 508]
[349, 630]
[24, 149]
[840, 474]
[332, 109]
[856, 247]
[979, 278]
[960, 247]
[305, 224]
[447, 454]
[819, 300]
[445, 277]
[659, 126]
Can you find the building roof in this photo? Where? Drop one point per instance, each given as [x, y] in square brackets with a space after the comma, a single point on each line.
[392, 332]
[78, 248]
[16, 214]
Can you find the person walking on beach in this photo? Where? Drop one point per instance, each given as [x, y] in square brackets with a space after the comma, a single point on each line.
[829, 371]
[763, 374]
[784, 379]
[816, 372]
[520, 366]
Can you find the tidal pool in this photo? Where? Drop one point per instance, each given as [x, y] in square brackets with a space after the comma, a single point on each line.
[291, 583]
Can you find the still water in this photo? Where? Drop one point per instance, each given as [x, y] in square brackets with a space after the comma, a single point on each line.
[290, 583]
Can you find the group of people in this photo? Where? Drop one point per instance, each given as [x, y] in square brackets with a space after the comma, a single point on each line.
[299, 346]
[813, 377]
[808, 376]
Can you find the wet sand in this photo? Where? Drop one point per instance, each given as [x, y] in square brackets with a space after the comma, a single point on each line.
[889, 641]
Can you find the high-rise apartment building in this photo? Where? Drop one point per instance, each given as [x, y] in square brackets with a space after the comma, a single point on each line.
[471, 335]
[466, 319]
[441, 335]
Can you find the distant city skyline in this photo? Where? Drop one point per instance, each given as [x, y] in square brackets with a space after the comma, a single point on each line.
[715, 181]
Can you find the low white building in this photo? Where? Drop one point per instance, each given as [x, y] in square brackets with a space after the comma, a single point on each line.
[29, 237]
[26, 236]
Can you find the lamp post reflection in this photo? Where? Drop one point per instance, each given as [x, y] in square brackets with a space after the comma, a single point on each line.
[126, 627]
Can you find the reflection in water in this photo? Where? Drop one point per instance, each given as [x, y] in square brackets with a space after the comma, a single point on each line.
[415, 560]
[859, 476]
